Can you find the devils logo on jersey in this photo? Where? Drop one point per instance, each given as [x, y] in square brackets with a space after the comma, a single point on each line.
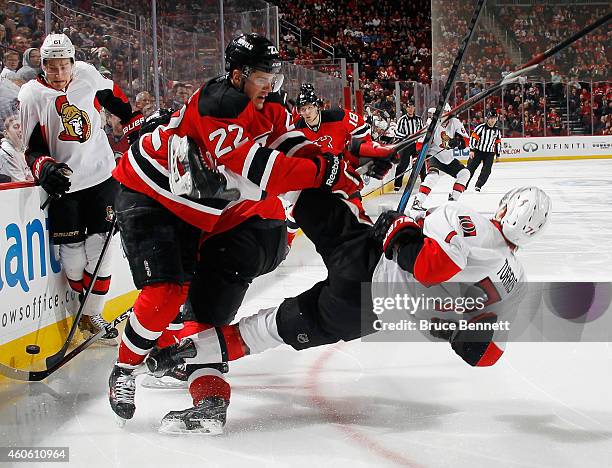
[467, 226]
[324, 142]
[77, 126]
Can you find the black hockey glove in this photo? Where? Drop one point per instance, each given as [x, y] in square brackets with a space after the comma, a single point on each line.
[457, 142]
[190, 175]
[157, 118]
[394, 230]
[52, 176]
[379, 168]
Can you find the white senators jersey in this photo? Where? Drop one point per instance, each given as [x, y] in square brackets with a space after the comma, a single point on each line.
[70, 124]
[439, 147]
[464, 254]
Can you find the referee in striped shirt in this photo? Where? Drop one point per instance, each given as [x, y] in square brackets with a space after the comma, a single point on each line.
[408, 124]
[485, 143]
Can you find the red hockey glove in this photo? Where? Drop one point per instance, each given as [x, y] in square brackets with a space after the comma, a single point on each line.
[52, 176]
[393, 230]
[131, 129]
[337, 176]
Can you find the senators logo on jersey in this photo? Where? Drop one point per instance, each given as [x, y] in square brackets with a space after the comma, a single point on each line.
[77, 126]
[445, 139]
[468, 226]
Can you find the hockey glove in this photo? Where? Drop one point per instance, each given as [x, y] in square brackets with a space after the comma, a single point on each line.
[457, 142]
[52, 176]
[191, 177]
[338, 176]
[394, 230]
[131, 128]
[379, 168]
[157, 118]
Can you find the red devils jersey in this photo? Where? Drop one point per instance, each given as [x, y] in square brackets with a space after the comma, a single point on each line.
[335, 130]
[230, 131]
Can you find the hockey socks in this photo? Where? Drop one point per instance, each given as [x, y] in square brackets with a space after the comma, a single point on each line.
[156, 306]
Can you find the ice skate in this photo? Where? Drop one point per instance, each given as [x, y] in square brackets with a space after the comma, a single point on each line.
[90, 325]
[206, 418]
[122, 388]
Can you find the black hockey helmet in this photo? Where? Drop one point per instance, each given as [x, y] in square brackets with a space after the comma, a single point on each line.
[307, 96]
[410, 101]
[252, 52]
[491, 114]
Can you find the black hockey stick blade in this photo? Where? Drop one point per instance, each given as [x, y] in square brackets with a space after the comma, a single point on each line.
[36, 376]
[46, 202]
[525, 68]
[57, 357]
[450, 81]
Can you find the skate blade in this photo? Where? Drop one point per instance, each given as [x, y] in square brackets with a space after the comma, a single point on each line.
[110, 342]
[208, 427]
[164, 382]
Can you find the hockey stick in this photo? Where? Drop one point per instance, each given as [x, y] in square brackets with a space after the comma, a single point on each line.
[46, 202]
[35, 376]
[510, 78]
[452, 75]
[57, 357]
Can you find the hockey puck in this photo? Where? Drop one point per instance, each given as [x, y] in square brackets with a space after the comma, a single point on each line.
[32, 349]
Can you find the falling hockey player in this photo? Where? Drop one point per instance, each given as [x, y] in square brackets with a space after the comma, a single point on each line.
[453, 243]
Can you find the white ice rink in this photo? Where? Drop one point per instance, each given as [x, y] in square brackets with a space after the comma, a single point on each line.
[371, 404]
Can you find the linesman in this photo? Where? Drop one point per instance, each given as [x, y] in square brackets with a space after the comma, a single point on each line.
[408, 124]
[485, 142]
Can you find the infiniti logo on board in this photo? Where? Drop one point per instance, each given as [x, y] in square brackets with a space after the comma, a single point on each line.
[530, 147]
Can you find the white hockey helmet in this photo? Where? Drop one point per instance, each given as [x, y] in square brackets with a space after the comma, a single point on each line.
[432, 110]
[57, 46]
[523, 213]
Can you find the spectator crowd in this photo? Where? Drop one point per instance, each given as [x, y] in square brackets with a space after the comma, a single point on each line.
[390, 40]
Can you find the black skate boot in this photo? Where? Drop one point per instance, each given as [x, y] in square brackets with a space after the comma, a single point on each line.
[207, 418]
[160, 361]
[122, 388]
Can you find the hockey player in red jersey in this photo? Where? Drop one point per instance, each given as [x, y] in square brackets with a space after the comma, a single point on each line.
[454, 243]
[238, 124]
[338, 131]
[341, 132]
[72, 161]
